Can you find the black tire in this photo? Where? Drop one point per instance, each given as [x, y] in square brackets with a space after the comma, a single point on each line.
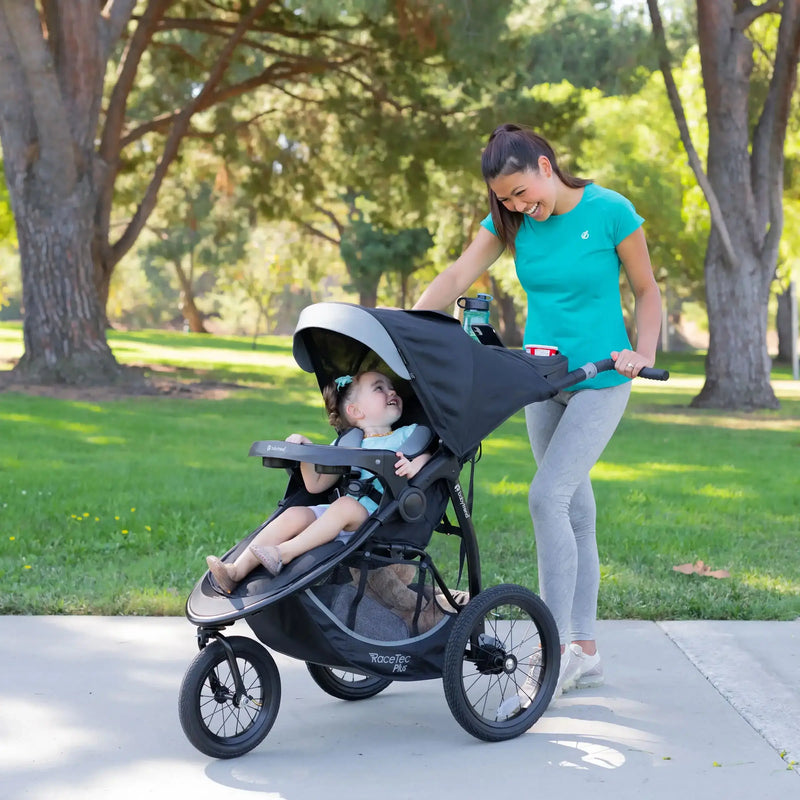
[487, 661]
[346, 685]
[210, 717]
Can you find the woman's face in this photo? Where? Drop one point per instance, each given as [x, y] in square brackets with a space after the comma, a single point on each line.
[531, 192]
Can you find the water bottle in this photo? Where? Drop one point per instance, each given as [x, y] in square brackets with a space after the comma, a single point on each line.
[476, 311]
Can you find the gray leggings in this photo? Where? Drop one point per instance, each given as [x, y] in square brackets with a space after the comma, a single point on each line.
[568, 433]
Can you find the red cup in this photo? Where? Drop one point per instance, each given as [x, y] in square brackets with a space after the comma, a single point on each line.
[541, 350]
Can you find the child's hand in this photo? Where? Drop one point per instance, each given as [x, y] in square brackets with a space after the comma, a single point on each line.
[298, 438]
[410, 468]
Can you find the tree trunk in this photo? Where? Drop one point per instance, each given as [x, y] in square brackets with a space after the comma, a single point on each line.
[191, 313]
[737, 364]
[509, 330]
[63, 324]
[368, 297]
[744, 187]
[783, 326]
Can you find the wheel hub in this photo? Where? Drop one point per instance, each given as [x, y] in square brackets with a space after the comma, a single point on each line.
[491, 658]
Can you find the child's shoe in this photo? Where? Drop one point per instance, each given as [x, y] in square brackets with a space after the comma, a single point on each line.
[269, 556]
[222, 573]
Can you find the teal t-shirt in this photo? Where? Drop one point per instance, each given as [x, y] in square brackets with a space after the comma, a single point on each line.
[569, 268]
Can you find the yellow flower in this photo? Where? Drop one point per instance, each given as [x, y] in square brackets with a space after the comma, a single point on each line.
[148, 528]
[133, 509]
[85, 513]
[116, 517]
[124, 531]
[11, 538]
[27, 566]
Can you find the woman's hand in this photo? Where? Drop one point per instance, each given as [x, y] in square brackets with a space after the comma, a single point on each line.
[630, 363]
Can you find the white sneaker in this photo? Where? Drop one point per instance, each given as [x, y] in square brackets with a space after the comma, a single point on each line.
[568, 673]
[589, 668]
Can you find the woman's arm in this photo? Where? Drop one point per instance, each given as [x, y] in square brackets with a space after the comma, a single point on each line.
[451, 283]
[635, 259]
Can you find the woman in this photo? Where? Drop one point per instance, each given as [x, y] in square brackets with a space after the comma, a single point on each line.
[569, 238]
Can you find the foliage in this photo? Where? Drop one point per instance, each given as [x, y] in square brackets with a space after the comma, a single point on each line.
[370, 252]
[594, 45]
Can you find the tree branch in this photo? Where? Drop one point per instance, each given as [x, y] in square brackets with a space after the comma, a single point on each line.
[16, 121]
[680, 118]
[109, 149]
[179, 128]
[769, 136]
[747, 13]
[280, 71]
[317, 232]
[55, 154]
[116, 13]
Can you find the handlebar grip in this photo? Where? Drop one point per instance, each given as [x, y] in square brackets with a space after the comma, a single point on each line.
[607, 364]
[653, 374]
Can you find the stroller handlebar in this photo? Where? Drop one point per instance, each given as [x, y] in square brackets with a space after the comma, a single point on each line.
[592, 368]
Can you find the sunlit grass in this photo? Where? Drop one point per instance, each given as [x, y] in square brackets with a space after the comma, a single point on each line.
[110, 507]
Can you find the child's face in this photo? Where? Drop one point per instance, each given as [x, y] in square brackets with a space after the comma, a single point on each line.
[376, 400]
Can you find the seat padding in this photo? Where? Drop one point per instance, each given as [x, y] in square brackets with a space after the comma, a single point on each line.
[417, 443]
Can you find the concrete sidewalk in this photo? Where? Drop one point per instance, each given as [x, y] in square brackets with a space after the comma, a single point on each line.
[88, 709]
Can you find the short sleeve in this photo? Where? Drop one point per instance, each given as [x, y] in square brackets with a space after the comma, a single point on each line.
[626, 218]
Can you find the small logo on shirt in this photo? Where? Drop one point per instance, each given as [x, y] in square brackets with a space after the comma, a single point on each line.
[585, 235]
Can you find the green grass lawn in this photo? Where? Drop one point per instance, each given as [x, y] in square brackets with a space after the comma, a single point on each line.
[109, 506]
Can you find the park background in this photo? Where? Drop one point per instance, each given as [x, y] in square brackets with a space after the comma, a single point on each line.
[353, 174]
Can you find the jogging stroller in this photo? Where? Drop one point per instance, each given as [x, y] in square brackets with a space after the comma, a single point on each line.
[496, 650]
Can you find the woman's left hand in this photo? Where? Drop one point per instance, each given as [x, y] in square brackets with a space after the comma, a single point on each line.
[630, 363]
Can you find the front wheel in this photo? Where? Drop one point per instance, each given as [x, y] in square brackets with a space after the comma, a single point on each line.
[501, 663]
[216, 718]
[346, 685]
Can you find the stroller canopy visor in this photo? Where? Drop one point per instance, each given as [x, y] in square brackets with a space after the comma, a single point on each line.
[465, 389]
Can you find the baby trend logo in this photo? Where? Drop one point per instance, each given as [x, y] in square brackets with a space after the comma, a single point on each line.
[585, 235]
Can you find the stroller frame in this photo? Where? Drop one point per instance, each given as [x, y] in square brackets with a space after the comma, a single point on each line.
[498, 655]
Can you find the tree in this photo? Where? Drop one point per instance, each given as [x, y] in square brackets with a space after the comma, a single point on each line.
[70, 133]
[196, 233]
[743, 184]
[593, 44]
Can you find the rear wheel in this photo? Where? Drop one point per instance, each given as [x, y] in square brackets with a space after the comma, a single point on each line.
[501, 662]
[346, 685]
[218, 720]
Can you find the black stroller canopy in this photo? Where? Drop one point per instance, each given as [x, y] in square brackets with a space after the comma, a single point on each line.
[466, 389]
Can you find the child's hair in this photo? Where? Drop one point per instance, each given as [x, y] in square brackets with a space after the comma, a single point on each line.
[515, 148]
[337, 394]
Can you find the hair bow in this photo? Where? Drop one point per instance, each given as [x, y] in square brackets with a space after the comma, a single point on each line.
[343, 381]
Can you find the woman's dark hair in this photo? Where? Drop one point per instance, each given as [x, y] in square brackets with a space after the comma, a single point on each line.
[515, 148]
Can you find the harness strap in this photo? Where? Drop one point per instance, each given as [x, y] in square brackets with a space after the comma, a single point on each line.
[362, 585]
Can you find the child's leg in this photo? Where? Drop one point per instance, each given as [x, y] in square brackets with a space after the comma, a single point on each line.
[344, 514]
[286, 526]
